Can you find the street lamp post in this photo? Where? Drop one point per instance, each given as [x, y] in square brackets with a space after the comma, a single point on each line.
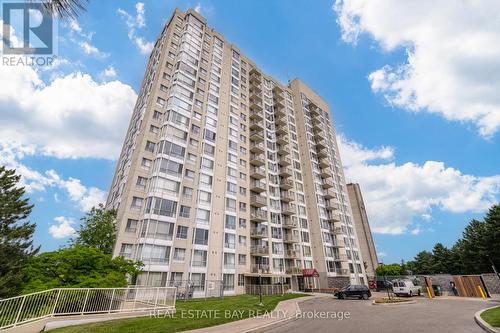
[260, 288]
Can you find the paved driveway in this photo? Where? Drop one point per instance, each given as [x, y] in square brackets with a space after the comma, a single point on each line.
[441, 316]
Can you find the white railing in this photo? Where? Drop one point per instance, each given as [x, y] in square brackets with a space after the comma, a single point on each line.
[83, 301]
[266, 289]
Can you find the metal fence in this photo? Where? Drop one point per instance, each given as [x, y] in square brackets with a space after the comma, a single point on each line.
[267, 289]
[83, 301]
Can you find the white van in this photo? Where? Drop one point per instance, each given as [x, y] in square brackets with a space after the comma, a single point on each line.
[405, 287]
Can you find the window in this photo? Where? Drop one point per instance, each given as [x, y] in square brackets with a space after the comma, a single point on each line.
[179, 254]
[243, 223]
[161, 206]
[126, 250]
[241, 280]
[146, 163]
[198, 281]
[228, 281]
[131, 225]
[182, 232]
[229, 241]
[229, 260]
[185, 212]
[150, 146]
[204, 197]
[136, 203]
[202, 216]
[200, 236]
[242, 240]
[141, 183]
[209, 135]
[155, 254]
[230, 222]
[242, 259]
[187, 192]
[171, 149]
[199, 258]
[169, 167]
[189, 174]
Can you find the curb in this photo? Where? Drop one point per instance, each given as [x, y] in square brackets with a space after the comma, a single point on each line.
[393, 304]
[278, 323]
[483, 324]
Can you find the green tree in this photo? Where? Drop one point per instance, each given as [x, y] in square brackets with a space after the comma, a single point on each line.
[423, 263]
[78, 267]
[16, 233]
[442, 259]
[389, 270]
[97, 230]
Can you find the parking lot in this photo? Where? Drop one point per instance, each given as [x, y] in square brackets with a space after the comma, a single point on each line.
[454, 315]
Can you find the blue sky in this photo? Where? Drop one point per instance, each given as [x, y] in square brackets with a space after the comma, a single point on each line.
[417, 122]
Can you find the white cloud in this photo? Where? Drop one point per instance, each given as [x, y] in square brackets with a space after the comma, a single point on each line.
[398, 196]
[92, 50]
[70, 117]
[109, 72]
[63, 228]
[11, 155]
[73, 25]
[453, 55]
[198, 8]
[134, 23]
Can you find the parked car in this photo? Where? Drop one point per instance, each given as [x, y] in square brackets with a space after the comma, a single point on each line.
[384, 285]
[405, 287]
[358, 291]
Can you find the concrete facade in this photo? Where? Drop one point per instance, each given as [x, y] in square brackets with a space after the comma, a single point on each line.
[227, 175]
[360, 218]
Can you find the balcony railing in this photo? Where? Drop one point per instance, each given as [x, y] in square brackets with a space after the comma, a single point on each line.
[284, 161]
[289, 223]
[285, 172]
[257, 159]
[292, 254]
[290, 238]
[329, 194]
[258, 186]
[259, 233]
[258, 201]
[260, 268]
[257, 147]
[295, 270]
[328, 183]
[258, 215]
[259, 250]
[257, 135]
[256, 124]
[288, 209]
[286, 184]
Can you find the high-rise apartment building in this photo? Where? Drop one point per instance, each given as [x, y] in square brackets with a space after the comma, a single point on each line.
[228, 175]
[363, 230]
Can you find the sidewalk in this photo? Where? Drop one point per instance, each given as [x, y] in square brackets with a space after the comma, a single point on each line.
[285, 311]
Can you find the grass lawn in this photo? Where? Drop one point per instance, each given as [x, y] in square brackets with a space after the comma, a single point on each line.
[189, 315]
[492, 316]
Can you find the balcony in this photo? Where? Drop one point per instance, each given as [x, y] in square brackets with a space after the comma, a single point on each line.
[257, 160]
[255, 94]
[259, 232]
[322, 153]
[291, 254]
[318, 130]
[285, 172]
[327, 183]
[321, 143]
[333, 217]
[340, 271]
[332, 205]
[256, 125]
[257, 250]
[279, 110]
[255, 77]
[329, 194]
[314, 110]
[339, 257]
[338, 242]
[257, 186]
[290, 239]
[286, 184]
[288, 209]
[256, 114]
[279, 101]
[326, 172]
[277, 89]
[283, 149]
[258, 215]
[280, 121]
[323, 162]
[257, 148]
[295, 270]
[288, 223]
[316, 121]
[286, 196]
[258, 173]
[257, 135]
[281, 130]
[336, 230]
[284, 161]
[260, 268]
[255, 104]
[282, 139]
[258, 201]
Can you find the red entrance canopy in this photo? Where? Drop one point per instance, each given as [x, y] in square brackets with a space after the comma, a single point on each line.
[310, 272]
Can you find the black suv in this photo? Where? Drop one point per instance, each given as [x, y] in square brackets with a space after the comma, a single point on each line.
[359, 291]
